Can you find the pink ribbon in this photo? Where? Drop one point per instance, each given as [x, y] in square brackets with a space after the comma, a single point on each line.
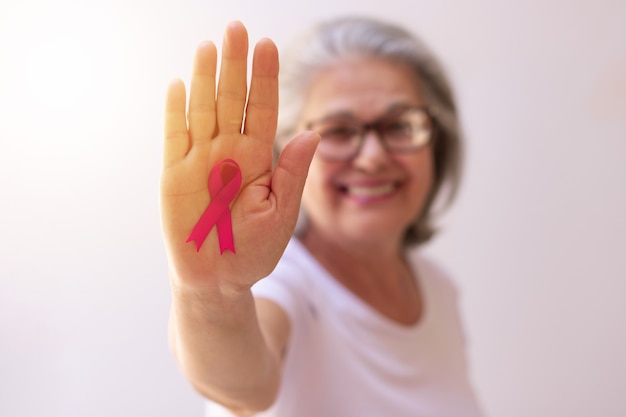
[224, 183]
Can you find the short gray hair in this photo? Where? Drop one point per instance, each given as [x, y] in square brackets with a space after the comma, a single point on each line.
[328, 42]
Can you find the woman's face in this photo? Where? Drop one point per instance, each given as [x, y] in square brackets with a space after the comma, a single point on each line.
[373, 197]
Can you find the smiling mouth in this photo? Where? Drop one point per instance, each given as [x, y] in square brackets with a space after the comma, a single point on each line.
[361, 191]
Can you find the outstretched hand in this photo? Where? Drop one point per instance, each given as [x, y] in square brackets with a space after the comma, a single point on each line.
[238, 124]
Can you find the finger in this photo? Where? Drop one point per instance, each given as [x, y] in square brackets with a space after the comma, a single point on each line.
[176, 138]
[232, 87]
[291, 172]
[262, 108]
[202, 94]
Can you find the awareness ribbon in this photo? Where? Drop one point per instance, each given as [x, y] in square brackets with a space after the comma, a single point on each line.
[224, 183]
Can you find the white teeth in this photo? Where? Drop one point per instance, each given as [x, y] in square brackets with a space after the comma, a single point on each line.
[374, 191]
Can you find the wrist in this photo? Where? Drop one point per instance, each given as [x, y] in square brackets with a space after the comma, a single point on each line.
[210, 299]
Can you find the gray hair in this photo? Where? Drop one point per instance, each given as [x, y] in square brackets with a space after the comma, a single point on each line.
[331, 41]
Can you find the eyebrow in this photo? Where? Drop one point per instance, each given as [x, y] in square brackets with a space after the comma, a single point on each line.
[346, 115]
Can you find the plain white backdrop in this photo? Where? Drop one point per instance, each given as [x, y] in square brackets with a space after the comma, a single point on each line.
[536, 241]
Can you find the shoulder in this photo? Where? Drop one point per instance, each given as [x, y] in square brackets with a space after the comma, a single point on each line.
[439, 289]
[431, 272]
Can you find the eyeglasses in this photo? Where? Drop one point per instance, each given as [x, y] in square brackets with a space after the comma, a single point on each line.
[407, 129]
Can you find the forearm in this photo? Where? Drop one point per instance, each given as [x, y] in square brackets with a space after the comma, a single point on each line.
[220, 348]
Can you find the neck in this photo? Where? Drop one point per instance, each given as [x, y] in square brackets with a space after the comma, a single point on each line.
[376, 273]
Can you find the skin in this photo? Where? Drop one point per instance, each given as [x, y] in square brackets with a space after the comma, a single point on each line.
[212, 306]
[229, 345]
[359, 209]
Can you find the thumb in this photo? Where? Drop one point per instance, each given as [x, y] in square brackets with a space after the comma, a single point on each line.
[291, 172]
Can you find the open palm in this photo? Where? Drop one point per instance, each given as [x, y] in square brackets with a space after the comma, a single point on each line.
[213, 129]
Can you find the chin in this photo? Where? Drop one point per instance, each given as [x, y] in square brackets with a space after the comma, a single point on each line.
[368, 233]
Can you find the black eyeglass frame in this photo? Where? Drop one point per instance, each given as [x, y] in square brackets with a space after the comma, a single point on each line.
[378, 126]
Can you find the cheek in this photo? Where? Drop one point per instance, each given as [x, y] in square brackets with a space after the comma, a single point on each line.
[430, 169]
[427, 172]
[422, 173]
[317, 185]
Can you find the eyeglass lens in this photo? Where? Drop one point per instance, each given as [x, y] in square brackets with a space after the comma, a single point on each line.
[405, 131]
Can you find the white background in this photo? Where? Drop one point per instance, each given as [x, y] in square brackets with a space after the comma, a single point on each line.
[537, 241]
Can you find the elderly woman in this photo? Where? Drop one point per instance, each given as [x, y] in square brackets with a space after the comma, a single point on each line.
[344, 317]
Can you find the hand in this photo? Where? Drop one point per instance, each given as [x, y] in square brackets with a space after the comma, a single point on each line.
[265, 210]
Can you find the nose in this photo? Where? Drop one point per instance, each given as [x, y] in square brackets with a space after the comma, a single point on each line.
[372, 154]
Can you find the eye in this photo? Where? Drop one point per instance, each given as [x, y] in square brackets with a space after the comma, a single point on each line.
[337, 133]
[398, 130]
